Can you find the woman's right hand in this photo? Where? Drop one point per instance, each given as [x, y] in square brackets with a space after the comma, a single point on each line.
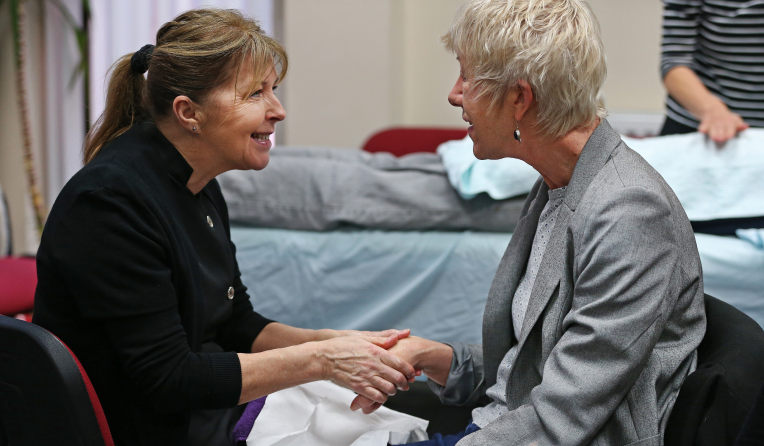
[363, 365]
[721, 124]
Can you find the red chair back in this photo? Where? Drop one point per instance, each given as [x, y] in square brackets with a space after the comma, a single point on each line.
[45, 395]
[404, 140]
[18, 280]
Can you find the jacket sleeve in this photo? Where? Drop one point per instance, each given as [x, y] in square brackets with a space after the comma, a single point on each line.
[626, 283]
[113, 254]
[680, 33]
[465, 383]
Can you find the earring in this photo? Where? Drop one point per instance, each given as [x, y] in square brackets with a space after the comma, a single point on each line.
[194, 129]
[517, 132]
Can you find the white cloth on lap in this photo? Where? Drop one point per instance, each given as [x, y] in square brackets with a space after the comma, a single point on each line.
[318, 414]
[710, 182]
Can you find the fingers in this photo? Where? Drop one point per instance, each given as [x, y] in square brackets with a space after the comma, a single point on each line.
[372, 408]
[373, 395]
[722, 128]
[383, 342]
[406, 370]
[386, 333]
[366, 405]
[358, 364]
[361, 402]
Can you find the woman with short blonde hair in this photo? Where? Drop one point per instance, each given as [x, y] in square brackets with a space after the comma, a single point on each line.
[596, 310]
[554, 46]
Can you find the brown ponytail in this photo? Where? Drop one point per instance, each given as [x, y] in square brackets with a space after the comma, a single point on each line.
[124, 106]
[195, 53]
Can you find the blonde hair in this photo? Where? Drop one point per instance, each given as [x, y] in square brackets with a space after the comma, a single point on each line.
[554, 45]
[196, 52]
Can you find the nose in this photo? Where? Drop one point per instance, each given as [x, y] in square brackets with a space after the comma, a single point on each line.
[276, 112]
[455, 95]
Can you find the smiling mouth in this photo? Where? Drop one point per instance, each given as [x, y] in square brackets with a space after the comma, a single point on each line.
[260, 136]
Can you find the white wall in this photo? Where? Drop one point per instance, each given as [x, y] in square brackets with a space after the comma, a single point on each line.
[631, 32]
[357, 66]
[341, 62]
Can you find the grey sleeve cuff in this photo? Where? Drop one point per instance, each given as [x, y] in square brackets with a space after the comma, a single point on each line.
[667, 64]
[466, 383]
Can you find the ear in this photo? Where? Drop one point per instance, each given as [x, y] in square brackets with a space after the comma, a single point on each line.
[524, 99]
[187, 112]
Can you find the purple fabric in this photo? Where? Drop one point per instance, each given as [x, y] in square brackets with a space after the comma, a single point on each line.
[247, 421]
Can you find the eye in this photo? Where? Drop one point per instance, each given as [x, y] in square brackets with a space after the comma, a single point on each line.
[257, 94]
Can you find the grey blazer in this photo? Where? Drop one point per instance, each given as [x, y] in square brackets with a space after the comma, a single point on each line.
[615, 315]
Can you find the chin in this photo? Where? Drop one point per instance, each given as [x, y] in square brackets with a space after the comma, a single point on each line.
[258, 163]
[479, 153]
[484, 153]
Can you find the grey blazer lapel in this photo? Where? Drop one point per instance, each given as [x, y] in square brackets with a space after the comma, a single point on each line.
[497, 318]
[593, 157]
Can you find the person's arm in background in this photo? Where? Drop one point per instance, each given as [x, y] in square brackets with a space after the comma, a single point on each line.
[716, 119]
[680, 28]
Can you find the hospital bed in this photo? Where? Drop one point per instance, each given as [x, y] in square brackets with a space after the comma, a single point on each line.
[434, 281]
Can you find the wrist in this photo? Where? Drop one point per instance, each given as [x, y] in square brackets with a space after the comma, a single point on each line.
[325, 334]
[431, 355]
[318, 362]
[435, 361]
[712, 106]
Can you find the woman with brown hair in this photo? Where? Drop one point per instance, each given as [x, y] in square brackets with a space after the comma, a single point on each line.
[137, 273]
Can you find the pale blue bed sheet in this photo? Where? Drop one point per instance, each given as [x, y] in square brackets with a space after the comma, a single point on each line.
[435, 283]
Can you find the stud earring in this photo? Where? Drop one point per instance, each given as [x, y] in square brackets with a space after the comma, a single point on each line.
[517, 132]
[194, 129]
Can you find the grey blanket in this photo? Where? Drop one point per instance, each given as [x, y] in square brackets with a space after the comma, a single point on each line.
[313, 188]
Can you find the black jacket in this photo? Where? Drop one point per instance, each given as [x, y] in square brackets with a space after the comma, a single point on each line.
[134, 274]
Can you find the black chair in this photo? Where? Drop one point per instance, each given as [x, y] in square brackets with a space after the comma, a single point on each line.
[45, 396]
[714, 400]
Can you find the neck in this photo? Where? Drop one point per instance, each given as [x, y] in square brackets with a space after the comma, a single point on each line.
[193, 150]
[555, 160]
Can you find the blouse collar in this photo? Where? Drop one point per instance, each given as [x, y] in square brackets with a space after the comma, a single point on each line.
[173, 161]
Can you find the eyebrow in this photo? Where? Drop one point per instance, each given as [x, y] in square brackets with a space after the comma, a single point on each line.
[265, 81]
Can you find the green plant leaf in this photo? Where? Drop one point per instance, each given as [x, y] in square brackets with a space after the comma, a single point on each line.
[14, 14]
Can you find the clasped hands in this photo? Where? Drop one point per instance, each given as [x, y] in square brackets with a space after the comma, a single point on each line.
[376, 365]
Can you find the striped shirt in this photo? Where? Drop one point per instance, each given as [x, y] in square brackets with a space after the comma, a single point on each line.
[722, 41]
